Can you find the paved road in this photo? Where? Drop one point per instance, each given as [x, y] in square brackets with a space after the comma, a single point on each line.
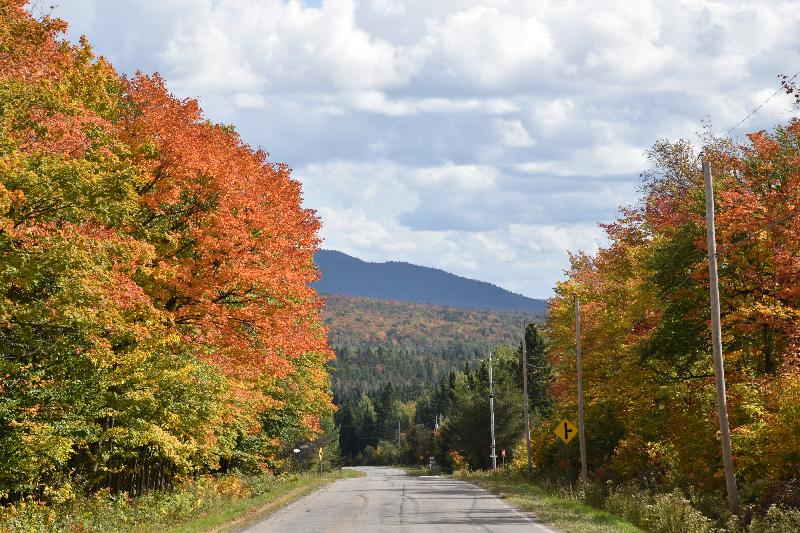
[388, 500]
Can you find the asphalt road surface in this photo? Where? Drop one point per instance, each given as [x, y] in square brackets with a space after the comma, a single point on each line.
[388, 500]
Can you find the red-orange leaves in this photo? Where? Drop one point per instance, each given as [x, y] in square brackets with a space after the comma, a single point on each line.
[155, 311]
[229, 225]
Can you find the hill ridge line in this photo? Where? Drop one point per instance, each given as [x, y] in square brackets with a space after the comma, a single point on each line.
[402, 281]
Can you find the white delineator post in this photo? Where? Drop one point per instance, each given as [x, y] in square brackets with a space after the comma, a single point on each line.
[716, 341]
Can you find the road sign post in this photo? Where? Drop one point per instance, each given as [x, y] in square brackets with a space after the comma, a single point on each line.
[566, 431]
[296, 452]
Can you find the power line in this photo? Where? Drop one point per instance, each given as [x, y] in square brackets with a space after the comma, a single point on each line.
[719, 253]
[762, 104]
[752, 234]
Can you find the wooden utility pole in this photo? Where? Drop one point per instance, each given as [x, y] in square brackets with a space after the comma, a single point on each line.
[491, 414]
[581, 431]
[525, 395]
[716, 341]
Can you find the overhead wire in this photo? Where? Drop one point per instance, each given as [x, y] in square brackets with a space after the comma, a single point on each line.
[749, 236]
[786, 216]
[762, 104]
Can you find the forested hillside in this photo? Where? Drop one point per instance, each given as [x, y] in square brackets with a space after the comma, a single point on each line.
[398, 281]
[156, 320]
[410, 345]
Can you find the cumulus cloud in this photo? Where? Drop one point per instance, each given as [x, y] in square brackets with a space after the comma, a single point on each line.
[513, 134]
[491, 46]
[487, 138]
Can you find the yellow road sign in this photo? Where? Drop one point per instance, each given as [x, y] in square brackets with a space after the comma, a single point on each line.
[565, 431]
[320, 454]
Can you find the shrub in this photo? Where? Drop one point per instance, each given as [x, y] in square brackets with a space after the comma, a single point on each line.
[673, 513]
[387, 453]
[105, 512]
[664, 513]
[629, 502]
[457, 460]
[777, 520]
[368, 454]
[593, 494]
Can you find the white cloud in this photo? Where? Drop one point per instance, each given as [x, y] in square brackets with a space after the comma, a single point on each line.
[552, 114]
[490, 45]
[513, 134]
[387, 7]
[377, 102]
[487, 138]
[351, 229]
[249, 100]
[611, 159]
[290, 45]
[456, 177]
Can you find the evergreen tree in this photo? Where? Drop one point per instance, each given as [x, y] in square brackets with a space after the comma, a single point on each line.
[389, 412]
[348, 438]
[467, 428]
[540, 373]
[365, 421]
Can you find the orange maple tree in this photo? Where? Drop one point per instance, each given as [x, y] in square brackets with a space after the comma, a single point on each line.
[156, 303]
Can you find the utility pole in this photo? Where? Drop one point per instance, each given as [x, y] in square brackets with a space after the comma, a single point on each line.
[491, 413]
[398, 435]
[525, 396]
[716, 341]
[581, 429]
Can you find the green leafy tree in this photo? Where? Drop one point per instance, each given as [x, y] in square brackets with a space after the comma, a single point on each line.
[365, 421]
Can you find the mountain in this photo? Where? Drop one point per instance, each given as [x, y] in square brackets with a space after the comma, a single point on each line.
[346, 275]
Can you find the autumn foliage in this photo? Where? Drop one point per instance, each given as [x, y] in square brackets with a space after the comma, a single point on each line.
[650, 396]
[155, 314]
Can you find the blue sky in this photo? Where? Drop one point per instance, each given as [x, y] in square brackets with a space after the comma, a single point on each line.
[486, 138]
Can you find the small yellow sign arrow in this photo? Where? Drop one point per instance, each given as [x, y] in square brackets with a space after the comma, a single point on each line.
[320, 454]
[565, 431]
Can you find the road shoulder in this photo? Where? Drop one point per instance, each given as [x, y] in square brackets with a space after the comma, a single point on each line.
[243, 513]
[548, 509]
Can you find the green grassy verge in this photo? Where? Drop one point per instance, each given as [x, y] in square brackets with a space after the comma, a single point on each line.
[236, 515]
[565, 514]
[209, 503]
[416, 471]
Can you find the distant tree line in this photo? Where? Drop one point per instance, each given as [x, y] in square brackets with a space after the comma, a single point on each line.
[449, 419]
[365, 368]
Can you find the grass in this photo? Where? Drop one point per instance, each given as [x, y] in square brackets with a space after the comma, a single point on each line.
[563, 513]
[209, 503]
[239, 514]
[417, 471]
